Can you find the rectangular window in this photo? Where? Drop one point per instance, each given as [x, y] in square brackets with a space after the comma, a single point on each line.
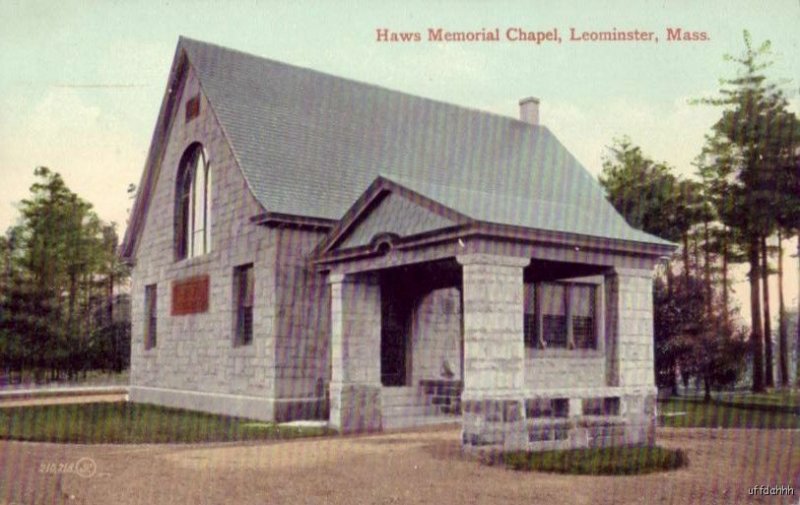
[601, 406]
[560, 315]
[243, 295]
[554, 315]
[150, 316]
[546, 407]
[531, 328]
[583, 325]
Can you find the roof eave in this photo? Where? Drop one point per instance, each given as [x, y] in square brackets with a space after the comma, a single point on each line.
[154, 155]
[504, 232]
[276, 219]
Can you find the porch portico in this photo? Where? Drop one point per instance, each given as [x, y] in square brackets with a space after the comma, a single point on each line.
[548, 338]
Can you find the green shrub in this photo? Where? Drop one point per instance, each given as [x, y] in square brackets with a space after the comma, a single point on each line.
[601, 461]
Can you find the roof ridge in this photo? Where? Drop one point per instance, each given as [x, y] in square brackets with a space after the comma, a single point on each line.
[538, 127]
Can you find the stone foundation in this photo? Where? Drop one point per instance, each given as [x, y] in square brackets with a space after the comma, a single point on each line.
[541, 423]
[494, 422]
[444, 394]
[355, 408]
[251, 407]
[301, 409]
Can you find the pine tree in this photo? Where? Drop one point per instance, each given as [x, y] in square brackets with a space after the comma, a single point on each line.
[752, 139]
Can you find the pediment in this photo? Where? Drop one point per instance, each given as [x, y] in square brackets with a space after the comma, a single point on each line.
[385, 214]
[394, 216]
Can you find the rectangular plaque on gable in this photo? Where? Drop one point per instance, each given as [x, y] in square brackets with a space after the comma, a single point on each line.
[190, 296]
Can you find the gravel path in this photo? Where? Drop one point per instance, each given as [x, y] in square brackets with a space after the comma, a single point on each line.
[55, 400]
[421, 467]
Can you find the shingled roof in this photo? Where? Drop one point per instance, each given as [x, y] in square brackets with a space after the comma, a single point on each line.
[310, 143]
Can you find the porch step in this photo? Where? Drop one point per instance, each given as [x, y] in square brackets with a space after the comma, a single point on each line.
[401, 396]
[404, 407]
[409, 411]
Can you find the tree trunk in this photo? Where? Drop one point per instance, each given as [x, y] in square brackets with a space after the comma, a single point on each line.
[686, 257]
[756, 335]
[726, 313]
[707, 271]
[797, 326]
[783, 341]
[670, 278]
[769, 375]
[88, 323]
[9, 252]
[707, 388]
[110, 297]
[71, 326]
[674, 385]
[696, 254]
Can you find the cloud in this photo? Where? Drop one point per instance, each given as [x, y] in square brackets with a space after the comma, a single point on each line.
[671, 132]
[90, 148]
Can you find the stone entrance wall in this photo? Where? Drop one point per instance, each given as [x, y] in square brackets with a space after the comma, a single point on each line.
[436, 337]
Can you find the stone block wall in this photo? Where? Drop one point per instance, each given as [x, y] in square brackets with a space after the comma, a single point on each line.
[590, 417]
[436, 336]
[630, 356]
[195, 363]
[444, 395]
[565, 369]
[302, 329]
[494, 353]
[355, 402]
[629, 330]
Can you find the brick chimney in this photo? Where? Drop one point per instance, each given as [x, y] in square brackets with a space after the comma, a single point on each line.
[529, 110]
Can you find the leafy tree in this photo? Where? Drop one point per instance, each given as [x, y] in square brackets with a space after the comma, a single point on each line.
[61, 264]
[787, 195]
[651, 198]
[690, 339]
[642, 190]
[751, 141]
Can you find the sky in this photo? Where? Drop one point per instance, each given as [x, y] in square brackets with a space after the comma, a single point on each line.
[81, 82]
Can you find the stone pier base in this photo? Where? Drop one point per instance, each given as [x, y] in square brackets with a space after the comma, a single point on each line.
[489, 422]
[579, 419]
[355, 408]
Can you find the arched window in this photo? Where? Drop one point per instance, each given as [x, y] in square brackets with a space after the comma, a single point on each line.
[193, 205]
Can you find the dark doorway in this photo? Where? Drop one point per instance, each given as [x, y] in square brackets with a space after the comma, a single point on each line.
[401, 288]
[394, 340]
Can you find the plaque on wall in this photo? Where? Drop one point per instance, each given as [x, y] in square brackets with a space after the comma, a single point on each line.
[190, 296]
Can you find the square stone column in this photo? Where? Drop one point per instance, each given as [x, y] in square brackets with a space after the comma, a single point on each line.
[629, 328]
[355, 390]
[630, 349]
[493, 402]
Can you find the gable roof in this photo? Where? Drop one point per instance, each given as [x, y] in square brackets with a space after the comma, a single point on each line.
[310, 143]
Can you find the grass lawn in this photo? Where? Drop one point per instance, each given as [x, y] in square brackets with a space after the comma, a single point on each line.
[746, 411]
[92, 378]
[601, 461]
[133, 423]
[790, 400]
